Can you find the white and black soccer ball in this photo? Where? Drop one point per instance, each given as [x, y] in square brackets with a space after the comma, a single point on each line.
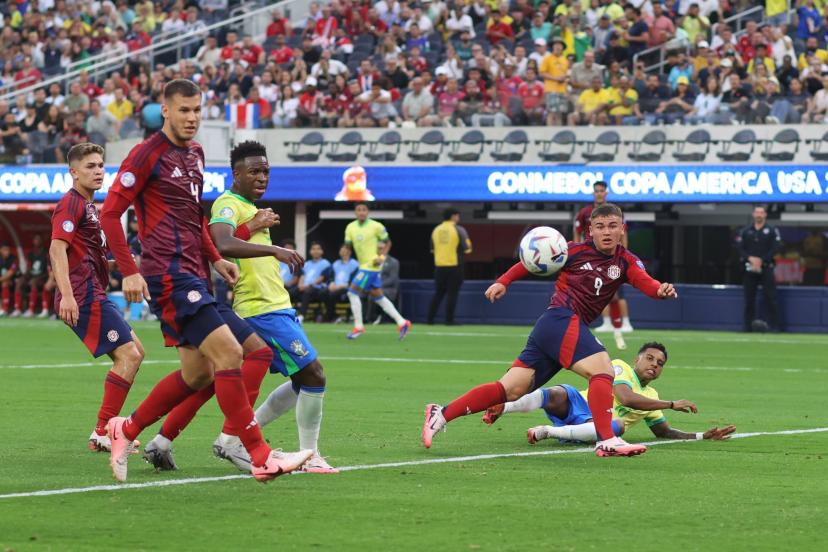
[543, 251]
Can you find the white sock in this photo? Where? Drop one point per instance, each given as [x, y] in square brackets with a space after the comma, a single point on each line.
[162, 442]
[309, 418]
[390, 310]
[607, 321]
[626, 321]
[582, 432]
[228, 440]
[526, 403]
[356, 309]
[280, 400]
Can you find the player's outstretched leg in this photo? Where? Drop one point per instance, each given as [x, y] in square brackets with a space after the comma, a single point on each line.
[356, 310]
[581, 433]
[527, 403]
[126, 360]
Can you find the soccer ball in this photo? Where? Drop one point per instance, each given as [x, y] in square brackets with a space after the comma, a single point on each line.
[543, 251]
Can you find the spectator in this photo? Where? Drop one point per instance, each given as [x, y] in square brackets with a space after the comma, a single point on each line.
[584, 72]
[367, 75]
[114, 48]
[348, 106]
[650, 98]
[758, 244]
[681, 69]
[286, 110]
[471, 103]
[73, 133]
[102, 121]
[615, 52]
[818, 106]
[798, 100]
[324, 28]
[14, 141]
[251, 52]
[380, 111]
[622, 99]
[396, 75]
[809, 22]
[307, 114]
[662, 29]
[704, 57]
[554, 70]
[312, 283]
[28, 75]
[737, 98]
[418, 105]
[695, 24]
[121, 108]
[601, 34]
[812, 50]
[279, 26]
[680, 105]
[491, 112]
[343, 270]
[107, 96]
[706, 105]
[209, 53]
[449, 243]
[531, 93]
[782, 46]
[540, 29]
[459, 22]
[76, 100]
[762, 58]
[290, 279]
[540, 51]
[638, 35]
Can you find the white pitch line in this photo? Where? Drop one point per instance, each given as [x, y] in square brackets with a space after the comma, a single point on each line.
[451, 459]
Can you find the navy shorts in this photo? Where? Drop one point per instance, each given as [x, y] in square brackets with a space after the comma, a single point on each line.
[240, 328]
[558, 340]
[101, 327]
[185, 307]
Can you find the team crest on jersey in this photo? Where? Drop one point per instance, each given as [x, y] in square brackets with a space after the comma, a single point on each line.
[68, 226]
[298, 348]
[614, 272]
[618, 369]
[112, 336]
[92, 213]
[193, 296]
[227, 212]
[127, 180]
[360, 237]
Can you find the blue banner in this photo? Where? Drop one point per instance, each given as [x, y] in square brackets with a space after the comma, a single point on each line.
[627, 183]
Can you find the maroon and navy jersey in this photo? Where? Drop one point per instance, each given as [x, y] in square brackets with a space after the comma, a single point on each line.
[589, 279]
[76, 222]
[164, 182]
[9, 265]
[582, 222]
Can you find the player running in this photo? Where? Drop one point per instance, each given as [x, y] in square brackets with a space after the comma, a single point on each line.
[80, 268]
[635, 400]
[593, 272]
[242, 232]
[369, 240]
[163, 178]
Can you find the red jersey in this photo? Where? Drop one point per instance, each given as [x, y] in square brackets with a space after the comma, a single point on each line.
[282, 55]
[582, 222]
[531, 93]
[251, 54]
[76, 222]
[278, 27]
[164, 182]
[589, 279]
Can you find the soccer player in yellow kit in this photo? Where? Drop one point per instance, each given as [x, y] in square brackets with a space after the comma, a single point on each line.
[369, 240]
[635, 400]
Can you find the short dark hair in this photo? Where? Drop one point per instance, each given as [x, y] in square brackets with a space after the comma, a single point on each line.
[599, 183]
[289, 241]
[181, 87]
[606, 210]
[315, 243]
[654, 345]
[248, 148]
[450, 212]
[80, 151]
[358, 203]
[760, 206]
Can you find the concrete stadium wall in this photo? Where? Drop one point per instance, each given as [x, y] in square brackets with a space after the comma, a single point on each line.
[699, 307]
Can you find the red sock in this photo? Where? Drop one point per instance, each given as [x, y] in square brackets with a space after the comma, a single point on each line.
[232, 399]
[18, 299]
[116, 389]
[32, 299]
[181, 416]
[166, 395]
[6, 298]
[253, 371]
[477, 400]
[46, 300]
[600, 404]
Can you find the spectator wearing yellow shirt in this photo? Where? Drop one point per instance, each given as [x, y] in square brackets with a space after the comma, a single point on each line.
[503, 11]
[554, 70]
[762, 57]
[700, 60]
[563, 8]
[694, 24]
[121, 108]
[591, 107]
[612, 9]
[812, 49]
[621, 101]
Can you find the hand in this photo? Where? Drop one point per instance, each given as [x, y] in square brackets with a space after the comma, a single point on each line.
[378, 260]
[290, 257]
[666, 290]
[495, 292]
[264, 218]
[756, 263]
[685, 406]
[68, 310]
[716, 434]
[135, 288]
[228, 271]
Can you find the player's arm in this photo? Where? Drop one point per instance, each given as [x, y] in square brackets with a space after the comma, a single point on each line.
[264, 218]
[498, 289]
[230, 246]
[638, 278]
[68, 308]
[664, 431]
[629, 398]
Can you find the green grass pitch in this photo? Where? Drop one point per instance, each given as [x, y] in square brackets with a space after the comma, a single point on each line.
[758, 493]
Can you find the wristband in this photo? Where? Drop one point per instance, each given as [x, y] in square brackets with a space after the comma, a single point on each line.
[699, 436]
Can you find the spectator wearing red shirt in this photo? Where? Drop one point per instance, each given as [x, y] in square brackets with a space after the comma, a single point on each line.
[232, 44]
[531, 93]
[282, 54]
[324, 31]
[417, 62]
[280, 25]
[252, 53]
[265, 111]
[499, 30]
[348, 106]
[374, 24]
[507, 85]
[137, 38]
[440, 81]
[309, 103]
[367, 75]
[87, 86]
[27, 75]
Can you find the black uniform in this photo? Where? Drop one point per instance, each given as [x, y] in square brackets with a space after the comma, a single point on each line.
[763, 243]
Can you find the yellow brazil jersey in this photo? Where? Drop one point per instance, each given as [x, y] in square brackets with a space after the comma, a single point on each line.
[364, 237]
[625, 375]
[556, 66]
[260, 288]
[449, 242]
[590, 99]
[615, 101]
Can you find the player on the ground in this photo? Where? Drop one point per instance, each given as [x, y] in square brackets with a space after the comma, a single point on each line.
[581, 233]
[561, 338]
[242, 232]
[635, 400]
[80, 268]
[369, 240]
[163, 178]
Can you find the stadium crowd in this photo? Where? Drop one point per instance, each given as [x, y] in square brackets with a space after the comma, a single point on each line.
[421, 63]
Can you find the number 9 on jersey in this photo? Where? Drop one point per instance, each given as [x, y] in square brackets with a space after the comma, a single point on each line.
[543, 251]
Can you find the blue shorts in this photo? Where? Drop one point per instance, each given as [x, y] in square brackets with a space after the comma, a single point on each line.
[579, 412]
[558, 340]
[282, 332]
[101, 327]
[185, 307]
[366, 280]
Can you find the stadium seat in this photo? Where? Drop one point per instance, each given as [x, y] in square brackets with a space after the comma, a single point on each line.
[308, 149]
[352, 139]
[391, 140]
[787, 136]
[565, 138]
[432, 138]
[745, 138]
[475, 140]
[518, 139]
[653, 139]
[698, 137]
[609, 140]
[817, 154]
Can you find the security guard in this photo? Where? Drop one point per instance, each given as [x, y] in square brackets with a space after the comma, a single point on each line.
[449, 242]
[758, 243]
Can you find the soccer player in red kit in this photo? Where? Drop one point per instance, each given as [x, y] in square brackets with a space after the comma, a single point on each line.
[561, 339]
[163, 178]
[81, 273]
